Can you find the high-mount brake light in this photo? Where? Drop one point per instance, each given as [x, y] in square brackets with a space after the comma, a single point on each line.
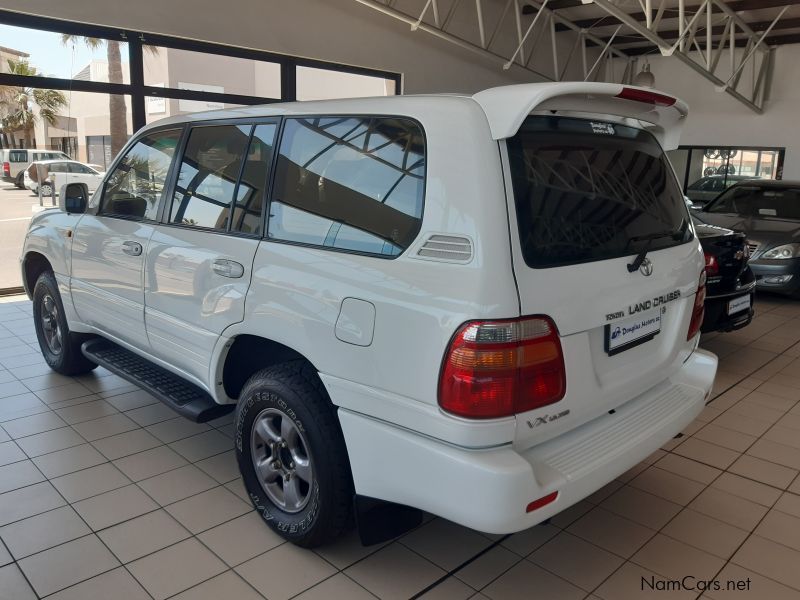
[698, 310]
[500, 368]
[646, 96]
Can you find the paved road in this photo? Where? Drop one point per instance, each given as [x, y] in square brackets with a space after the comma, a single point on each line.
[16, 209]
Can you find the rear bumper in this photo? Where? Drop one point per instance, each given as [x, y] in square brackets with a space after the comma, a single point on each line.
[717, 317]
[489, 489]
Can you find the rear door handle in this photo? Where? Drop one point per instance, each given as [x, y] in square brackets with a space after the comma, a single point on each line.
[227, 268]
[132, 248]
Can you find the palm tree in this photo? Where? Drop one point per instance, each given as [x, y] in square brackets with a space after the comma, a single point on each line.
[116, 103]
[17, 103]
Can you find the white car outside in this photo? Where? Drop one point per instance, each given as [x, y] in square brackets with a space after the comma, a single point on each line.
[14, 161]
[485, 307]
[61, 172]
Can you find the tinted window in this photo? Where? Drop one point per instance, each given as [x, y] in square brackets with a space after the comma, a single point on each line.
[59, 168]
[135, 185]
[18, 156]
[354, 183]
[588, 191]
[759, 202]
[249, 211]
[77, 168]
[208, 175]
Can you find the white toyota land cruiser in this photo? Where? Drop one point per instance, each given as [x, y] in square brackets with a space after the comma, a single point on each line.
[482, 307]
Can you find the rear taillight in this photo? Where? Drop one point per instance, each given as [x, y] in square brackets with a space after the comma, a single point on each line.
[698, 311]
[646, 96]
[6, 169]
[500, 368]
[712, 265]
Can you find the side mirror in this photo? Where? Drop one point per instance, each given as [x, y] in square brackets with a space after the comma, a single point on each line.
[73, 198]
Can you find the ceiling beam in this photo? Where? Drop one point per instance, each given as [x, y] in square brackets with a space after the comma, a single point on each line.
[736, 6]
[716, 30]
[772, 40]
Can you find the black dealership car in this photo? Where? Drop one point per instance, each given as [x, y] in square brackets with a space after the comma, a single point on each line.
[730, 284]
[768, 213]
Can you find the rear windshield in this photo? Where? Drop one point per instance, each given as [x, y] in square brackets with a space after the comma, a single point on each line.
[589, 190]
[754, 201]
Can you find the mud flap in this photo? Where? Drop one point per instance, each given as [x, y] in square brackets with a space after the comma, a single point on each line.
[380, 521]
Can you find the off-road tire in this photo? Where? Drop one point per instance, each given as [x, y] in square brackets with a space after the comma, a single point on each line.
[69, 360]
[294, 389]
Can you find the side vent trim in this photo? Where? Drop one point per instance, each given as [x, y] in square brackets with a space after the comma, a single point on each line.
[446, 248]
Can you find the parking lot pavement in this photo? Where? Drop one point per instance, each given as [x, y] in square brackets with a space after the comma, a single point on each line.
[16, 209]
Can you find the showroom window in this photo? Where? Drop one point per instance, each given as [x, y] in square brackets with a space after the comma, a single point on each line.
[98, 85]
[349, 183]
[704, 172]
[319, 84]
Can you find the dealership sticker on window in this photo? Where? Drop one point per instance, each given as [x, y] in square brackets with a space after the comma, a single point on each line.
[606, 128]
[631, 332]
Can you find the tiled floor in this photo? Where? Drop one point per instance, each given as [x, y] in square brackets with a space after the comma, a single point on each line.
[105, 494]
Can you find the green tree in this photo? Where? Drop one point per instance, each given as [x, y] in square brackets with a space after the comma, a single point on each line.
[19, 105]
[116, 103]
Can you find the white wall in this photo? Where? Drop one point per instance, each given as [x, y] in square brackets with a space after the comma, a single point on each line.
[716, 118]
[335, 30]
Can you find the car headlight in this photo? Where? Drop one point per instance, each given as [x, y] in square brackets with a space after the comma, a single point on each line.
[781, 252]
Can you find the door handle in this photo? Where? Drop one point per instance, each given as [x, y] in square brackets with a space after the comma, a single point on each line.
[227, 268]
[132, 248]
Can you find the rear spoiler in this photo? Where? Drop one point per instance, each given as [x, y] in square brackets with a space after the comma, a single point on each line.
[506, 107]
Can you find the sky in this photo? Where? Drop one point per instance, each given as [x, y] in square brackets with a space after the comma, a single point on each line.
[47, 53]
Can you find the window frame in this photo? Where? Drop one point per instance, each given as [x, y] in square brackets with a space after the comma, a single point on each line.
[97, 211]
[253, 122]
[167, 198]
[276, 155]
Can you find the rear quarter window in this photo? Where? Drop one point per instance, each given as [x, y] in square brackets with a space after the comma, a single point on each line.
[589, 191]
[349, 183]
[18, 156]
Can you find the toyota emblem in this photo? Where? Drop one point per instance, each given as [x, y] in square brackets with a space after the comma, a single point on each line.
[647, 267]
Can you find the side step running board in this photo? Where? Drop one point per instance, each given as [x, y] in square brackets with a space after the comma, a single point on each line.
[181, 396]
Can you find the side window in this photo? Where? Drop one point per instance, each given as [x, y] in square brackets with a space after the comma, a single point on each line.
[134, 187]
[78, 168]
[18, 156]
[208, 175]
[353, 183]
[249, 210]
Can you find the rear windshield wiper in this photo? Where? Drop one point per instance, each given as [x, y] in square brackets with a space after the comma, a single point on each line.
[637, 262]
